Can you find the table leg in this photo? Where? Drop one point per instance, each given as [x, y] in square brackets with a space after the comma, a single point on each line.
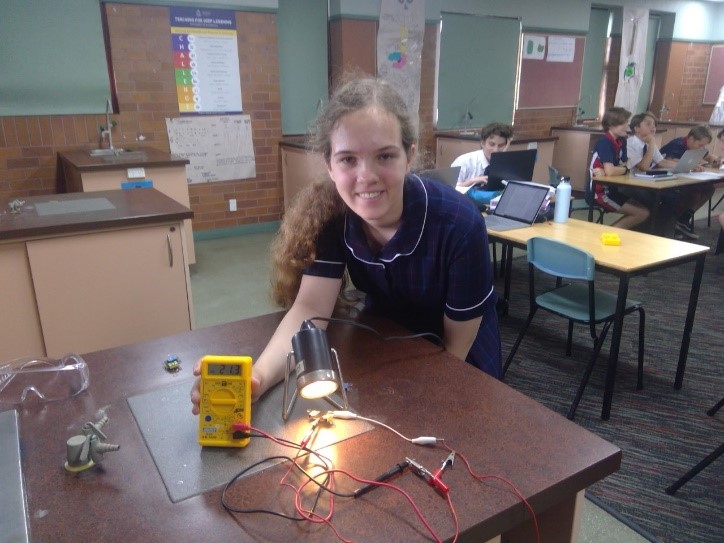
[693, 300]
[507, 258]
[615, 345]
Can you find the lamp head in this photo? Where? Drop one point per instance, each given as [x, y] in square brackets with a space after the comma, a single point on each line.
[316, 377]
[318, 373]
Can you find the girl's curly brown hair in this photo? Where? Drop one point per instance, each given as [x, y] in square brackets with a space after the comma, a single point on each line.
[294, 247]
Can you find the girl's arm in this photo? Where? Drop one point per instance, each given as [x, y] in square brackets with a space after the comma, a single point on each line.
[316, 298]
[460, 335]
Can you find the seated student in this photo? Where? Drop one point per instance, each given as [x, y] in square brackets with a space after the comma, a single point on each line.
[610, 156]
[643, 154]
[416, 248]
[695, 196]
[494, 138]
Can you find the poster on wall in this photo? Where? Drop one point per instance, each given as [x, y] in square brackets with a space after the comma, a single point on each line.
[534, 47]
[219, 148]
[399, 47]
[206, 60]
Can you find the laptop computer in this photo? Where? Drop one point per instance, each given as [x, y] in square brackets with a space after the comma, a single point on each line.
[510, 166]
[449, 176]
[688, 161]
[518, 206]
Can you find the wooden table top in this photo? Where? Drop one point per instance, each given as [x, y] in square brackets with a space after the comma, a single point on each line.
[637, 252]
[411, 385]
[123, 208]
[630, 180]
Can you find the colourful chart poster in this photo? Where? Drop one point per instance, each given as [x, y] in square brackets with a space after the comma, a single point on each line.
[206, 60]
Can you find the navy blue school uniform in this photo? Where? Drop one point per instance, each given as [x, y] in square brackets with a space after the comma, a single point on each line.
[612, 150]
[437, 263]
[675, 148]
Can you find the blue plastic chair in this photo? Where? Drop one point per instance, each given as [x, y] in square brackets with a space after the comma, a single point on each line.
[577, 301]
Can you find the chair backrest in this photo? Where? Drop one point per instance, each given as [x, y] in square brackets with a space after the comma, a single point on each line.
[554, 176]
[560, 259]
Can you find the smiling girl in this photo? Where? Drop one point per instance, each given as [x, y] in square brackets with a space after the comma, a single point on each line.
[417, 248]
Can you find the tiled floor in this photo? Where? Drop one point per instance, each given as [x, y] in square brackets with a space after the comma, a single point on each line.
[230, 281]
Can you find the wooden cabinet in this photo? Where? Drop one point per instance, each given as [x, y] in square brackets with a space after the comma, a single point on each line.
[448, 149]
[82, 173]
[19, 323]
[299, 168]
[80, 280]
[105, 289]
[572, 154]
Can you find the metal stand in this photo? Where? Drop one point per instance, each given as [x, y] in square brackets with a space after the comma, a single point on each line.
[287, 407]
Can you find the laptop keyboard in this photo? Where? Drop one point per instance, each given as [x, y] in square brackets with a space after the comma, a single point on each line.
[495, 222]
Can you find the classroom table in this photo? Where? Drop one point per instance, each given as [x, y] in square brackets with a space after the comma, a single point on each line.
[412, 385]
[637, 255]
[658, 187]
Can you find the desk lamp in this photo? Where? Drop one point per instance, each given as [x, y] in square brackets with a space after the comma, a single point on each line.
[318, 375]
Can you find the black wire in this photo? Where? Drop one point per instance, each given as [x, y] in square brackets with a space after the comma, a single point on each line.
[432, 335]
[325, 461]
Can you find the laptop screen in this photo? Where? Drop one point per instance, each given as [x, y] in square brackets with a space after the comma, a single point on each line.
[521, 201]
[449, 176]
[510, 166]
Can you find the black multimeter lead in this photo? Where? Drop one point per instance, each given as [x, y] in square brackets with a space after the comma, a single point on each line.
[397, 468]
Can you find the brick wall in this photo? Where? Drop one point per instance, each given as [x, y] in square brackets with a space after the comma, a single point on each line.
[141, 53]
[691, 93]
[142, 63]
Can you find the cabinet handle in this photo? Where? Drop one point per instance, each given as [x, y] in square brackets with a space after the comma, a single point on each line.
[170, 251]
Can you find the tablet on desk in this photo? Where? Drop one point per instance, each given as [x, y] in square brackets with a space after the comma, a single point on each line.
[654, 175]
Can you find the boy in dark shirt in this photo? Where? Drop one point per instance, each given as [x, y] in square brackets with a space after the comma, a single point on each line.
[689, 199]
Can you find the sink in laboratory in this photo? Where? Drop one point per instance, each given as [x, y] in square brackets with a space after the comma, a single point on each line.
[113, 154]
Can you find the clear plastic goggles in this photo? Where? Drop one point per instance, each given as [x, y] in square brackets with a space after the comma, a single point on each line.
[44, 379]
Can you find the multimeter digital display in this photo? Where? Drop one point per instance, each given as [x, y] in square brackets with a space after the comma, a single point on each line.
[225, 389]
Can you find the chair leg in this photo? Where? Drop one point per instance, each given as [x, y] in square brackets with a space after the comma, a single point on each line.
[518, 340]
[696, 469]
[711, 412]
[587, 374]
[642, 329]
[570, 338]
[711, 208]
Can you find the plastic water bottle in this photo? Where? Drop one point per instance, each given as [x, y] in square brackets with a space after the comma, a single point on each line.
[563, 201]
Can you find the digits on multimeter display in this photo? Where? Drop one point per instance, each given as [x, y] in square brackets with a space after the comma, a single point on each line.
[224, 369]
[225, 390]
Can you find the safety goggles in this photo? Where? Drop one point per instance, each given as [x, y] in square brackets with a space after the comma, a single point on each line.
[44, 379]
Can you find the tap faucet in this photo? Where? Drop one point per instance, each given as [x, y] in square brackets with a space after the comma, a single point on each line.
[109, 108]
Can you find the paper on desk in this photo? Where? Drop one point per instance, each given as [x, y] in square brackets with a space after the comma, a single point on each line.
[703, 176]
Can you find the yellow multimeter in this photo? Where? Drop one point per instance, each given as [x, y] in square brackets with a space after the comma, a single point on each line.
[225, 389]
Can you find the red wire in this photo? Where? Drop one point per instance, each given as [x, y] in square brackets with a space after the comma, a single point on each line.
[517, 492]
[396, 488]
[313, 516]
